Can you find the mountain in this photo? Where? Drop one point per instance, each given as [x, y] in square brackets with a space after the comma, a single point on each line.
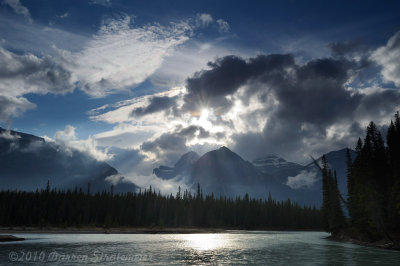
[277, 167]
[182, 167]
[223, 172]
[308, 176]
[27, 162]
[336, 161]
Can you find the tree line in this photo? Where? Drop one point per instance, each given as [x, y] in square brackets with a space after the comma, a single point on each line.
[373, 182]
[148, 208]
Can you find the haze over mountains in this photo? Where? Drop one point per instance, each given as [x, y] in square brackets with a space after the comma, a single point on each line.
[223, 172]
[27, 162]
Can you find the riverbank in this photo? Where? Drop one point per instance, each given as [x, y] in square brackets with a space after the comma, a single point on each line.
[130, 230]
[382, 243]
[9, 238]
[101, 230]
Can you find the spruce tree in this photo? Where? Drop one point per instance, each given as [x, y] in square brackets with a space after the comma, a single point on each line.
[337, 219]
[325, 209]
[333, 219]
[373, 184]
[351, 192]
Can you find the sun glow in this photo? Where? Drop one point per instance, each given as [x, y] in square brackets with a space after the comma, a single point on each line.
[203, 242]
[206, 120]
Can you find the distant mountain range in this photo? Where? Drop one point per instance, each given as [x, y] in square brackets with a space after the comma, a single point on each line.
[223, 172]
[27, 162]
[182, 167]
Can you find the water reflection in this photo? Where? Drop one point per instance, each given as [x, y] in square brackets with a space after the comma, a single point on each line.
[205, 248]
[255, 248]
[205, 242]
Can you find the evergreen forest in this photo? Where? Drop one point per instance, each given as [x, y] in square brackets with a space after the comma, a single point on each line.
[148, 208]
[373, 181]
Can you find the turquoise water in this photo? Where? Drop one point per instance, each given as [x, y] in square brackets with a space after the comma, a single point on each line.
[236, 247]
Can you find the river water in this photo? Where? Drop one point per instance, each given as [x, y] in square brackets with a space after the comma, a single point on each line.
[236, 247]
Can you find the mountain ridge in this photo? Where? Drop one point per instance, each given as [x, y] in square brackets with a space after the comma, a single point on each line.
[28, 162]
[224, 172]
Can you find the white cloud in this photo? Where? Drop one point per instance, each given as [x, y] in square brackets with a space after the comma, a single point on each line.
[23, 74]
[223, 26]
[66, 135]
[120, 56]
[116, 179]
[303, 179]
[204, 19]
[129, 131]
[106, 3]
[28, 73]
[37, 38]
[65, 15]
[194, 56]
[13, 106]
[165, 186]
[126, 135]
[120, 111]
[136, 168]
[18, 8]
[67, 138]
[388, 57]
[7, 135]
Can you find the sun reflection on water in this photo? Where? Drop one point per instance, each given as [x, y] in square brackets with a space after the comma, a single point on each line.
[205, 242]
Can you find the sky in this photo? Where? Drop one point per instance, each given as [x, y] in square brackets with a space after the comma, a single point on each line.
[139, 83]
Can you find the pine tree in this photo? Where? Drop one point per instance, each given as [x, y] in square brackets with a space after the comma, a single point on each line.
[333, 219]
[337, 219]
[374, 190]
[351, 205]
[393, 153]
[325, 195]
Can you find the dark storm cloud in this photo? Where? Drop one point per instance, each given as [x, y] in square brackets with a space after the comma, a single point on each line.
[296, 136]
[381, 102]
[170, 146]
[167, 148]
[325, 68]
[311, 98]
[209, 88]
[306, 105]
[313, 92]
[317, 94]
[279, 136]
[157, 104]
[192, 131]
[344, 48]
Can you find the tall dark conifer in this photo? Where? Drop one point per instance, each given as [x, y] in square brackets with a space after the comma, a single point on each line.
[325, 195]
[351, 191]
[373, 184]
[337, 219]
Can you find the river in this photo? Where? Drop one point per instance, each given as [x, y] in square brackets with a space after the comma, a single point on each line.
[235, 247]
